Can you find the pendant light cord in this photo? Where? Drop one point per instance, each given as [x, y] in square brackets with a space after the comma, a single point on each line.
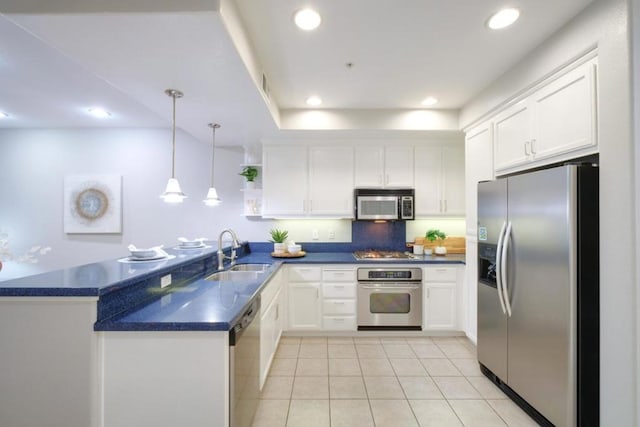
[213, 126]
[173, 152]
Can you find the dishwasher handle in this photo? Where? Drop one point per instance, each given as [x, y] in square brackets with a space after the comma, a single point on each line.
[243, 321]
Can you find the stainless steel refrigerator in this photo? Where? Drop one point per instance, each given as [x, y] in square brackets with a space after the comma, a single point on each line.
[538, 287]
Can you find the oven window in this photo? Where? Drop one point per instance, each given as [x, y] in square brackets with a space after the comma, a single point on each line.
[390, 303]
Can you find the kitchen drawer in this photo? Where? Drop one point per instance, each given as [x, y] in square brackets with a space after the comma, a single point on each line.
[305, 274]
[339, 290]
[270, 291]
[339, 323]
[440, 274]
[338, 275]
[339, 306]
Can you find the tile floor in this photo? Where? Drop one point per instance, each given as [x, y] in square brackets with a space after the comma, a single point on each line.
[379, 382]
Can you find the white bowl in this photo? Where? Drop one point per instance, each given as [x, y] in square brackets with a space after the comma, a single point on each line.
[191, 243]
[143, 253]
[294, 249]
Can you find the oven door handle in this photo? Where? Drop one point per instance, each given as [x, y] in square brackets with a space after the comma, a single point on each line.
[398, 288]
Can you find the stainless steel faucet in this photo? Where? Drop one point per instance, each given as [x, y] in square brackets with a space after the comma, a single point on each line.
[221, 255]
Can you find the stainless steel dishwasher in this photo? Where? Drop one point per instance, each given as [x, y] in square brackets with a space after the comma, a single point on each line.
[244, 358]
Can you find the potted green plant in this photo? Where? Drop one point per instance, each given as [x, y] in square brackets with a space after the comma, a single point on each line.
[436, 235]
[250, 173]
[278, 237]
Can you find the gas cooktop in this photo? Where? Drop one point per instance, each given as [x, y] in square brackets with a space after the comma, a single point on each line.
[381, 255]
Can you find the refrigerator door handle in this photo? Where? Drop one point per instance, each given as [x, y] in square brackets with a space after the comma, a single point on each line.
[503, 269]
[499, 267]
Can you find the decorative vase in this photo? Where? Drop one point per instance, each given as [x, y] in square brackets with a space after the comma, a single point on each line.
[278, 248]
[250, 185]
[440, 250]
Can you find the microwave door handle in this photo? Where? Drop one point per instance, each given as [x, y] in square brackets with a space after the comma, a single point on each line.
[503, 269]
[499, 267]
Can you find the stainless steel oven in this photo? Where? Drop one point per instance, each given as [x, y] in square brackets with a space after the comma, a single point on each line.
[390, 298]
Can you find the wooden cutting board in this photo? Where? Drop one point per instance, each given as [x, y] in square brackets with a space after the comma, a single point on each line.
[454, 245]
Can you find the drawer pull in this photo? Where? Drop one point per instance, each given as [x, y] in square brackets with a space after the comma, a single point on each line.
[339, 302]
[338, 286]
[339, 319]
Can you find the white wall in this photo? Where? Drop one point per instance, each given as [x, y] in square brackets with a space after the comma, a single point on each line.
[603, 24]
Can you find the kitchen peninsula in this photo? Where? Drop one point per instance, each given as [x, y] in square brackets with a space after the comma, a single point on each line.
[102, 343]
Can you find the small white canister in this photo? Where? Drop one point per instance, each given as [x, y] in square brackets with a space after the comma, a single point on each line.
[418, 249]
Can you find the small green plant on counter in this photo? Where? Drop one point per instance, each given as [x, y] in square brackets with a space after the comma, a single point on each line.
[278, 236]
[249, 172]
[435, 234]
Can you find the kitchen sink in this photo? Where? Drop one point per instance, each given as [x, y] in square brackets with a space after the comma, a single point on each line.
[234, 276]
[250, 267]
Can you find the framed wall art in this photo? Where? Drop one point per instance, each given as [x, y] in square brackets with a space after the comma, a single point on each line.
[92, 204]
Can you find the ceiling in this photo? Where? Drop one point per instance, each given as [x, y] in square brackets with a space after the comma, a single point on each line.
[56, 63]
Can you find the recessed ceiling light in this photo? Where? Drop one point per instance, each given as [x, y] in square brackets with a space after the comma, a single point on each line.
[314, 101]
[307, 19]
[3, 115]
[429, 101]
[503, 18]
[100, 113]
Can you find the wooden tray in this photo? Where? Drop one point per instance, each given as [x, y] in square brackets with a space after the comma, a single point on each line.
[288, 255]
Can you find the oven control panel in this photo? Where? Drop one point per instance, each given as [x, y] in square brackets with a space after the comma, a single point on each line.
[390, 274]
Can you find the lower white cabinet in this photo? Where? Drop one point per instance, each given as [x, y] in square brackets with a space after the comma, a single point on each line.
[339, 298]
[440, 286]
[305, 303]
[271, 324]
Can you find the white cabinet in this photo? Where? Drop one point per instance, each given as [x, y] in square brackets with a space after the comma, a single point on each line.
[271, 324]
[331, 181]
[252, 197]
[339, 298]
[478, 167]
[440, 298]
[305, 302]
[384, 167]
[284, 181]
[439, 180]
[554, 123]
[301, 181]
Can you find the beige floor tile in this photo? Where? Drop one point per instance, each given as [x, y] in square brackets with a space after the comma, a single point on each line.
[312, 367]
[419, 340]
[288, 351]
[277, 388]
[314, 340]
[456, 388]
[445, 340]
[290, 340]
[393, 340]
[456, 350]
[427, 351]
[392, 413]
[310, 388]
[351, 413]
[440, 368]
[486, 388]
[468, 367]
[340, 340]
[399, 351]
[344, 367]
[370, 351]
[476, 413]
[366, 340]
[434, 413]
[271, 413]
[383, 388]
[420, 388]
[283, 367]
[511, 413]
[407, 367]
[313, 351]
[342, 351]
[309, 413]
[346, 388]
[376, 367]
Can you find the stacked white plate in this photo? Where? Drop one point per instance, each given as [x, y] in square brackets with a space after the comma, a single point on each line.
[191, 244]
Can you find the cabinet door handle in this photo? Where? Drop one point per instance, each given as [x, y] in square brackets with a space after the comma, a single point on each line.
[387, 179]
[533, 146]
[317, 293]
[427, 293]
[445, 206]
[526, 148]
[304, 205]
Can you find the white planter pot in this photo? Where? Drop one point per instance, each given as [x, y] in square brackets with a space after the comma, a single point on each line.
[440, 250]
[278, 248]
[250, 185]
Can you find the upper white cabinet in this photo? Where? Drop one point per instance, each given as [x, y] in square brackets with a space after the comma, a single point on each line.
[556, 122]
[384, 167]
[478, 167]
[301, 181]
[284, 181]
[439, 180]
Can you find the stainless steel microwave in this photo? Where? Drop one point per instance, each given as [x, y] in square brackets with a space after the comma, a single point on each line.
[384, 204]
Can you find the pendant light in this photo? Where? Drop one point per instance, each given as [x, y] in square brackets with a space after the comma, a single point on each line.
[212, 198]
[173, 193]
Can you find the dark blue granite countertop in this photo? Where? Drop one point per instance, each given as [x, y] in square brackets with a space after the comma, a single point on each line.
[130, 297]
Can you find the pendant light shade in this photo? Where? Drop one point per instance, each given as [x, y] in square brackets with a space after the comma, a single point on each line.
[173, 193]
[212, 198]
